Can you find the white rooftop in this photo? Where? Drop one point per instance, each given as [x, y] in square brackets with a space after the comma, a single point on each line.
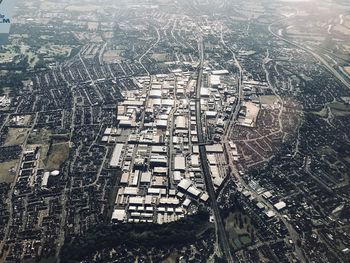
[280, 205]
[119, 215]
[185, 184]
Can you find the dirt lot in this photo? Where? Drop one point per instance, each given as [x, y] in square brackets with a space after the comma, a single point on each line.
[15, 136]
[23, 120]
[268, 99]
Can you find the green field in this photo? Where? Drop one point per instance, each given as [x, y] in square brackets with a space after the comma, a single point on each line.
[323, 113]
[56, 50]
[40, 137]
[340, 109]
[238, 227]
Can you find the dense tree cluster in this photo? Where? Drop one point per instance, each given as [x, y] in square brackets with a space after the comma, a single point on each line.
[134, 235]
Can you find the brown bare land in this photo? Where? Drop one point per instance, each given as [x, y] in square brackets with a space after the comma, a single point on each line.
[7, 176]
[15, 136]
[58, 154]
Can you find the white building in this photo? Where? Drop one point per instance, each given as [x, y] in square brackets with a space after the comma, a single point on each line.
[180, 163]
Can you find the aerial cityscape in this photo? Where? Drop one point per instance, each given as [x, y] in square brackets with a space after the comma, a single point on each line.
[175, 131]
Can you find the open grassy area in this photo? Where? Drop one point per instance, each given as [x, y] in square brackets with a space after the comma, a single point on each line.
[172, 258]
[40, 137]
[159, 57]
[51, 157]
[346, 99]
[16, 136]
[245, 240]
[32, 57]
[44, 148]
[323, 113]
[238, 227]
[58, 154]
[111, 56]
[7, 56]
[268, 99]
[326, 150]
[56, 50]
[7, 176]
[340, 109]
[43, 153]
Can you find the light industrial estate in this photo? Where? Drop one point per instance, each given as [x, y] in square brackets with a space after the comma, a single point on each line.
[157, 146]
[183, 131]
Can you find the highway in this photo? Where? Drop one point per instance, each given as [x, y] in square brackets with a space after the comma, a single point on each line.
[292, 233]
[234, 113]
[309, 50]
[220, 229]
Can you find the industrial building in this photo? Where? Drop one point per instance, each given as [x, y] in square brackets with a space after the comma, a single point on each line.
[157, 152]
[117, 152]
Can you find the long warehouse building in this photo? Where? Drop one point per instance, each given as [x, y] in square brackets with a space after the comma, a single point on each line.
[117, 152]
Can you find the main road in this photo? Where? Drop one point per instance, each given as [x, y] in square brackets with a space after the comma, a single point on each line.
[220, 229]
[234, 113]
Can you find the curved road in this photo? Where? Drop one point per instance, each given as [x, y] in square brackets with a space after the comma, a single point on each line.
[309, 50]
[148, 50]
